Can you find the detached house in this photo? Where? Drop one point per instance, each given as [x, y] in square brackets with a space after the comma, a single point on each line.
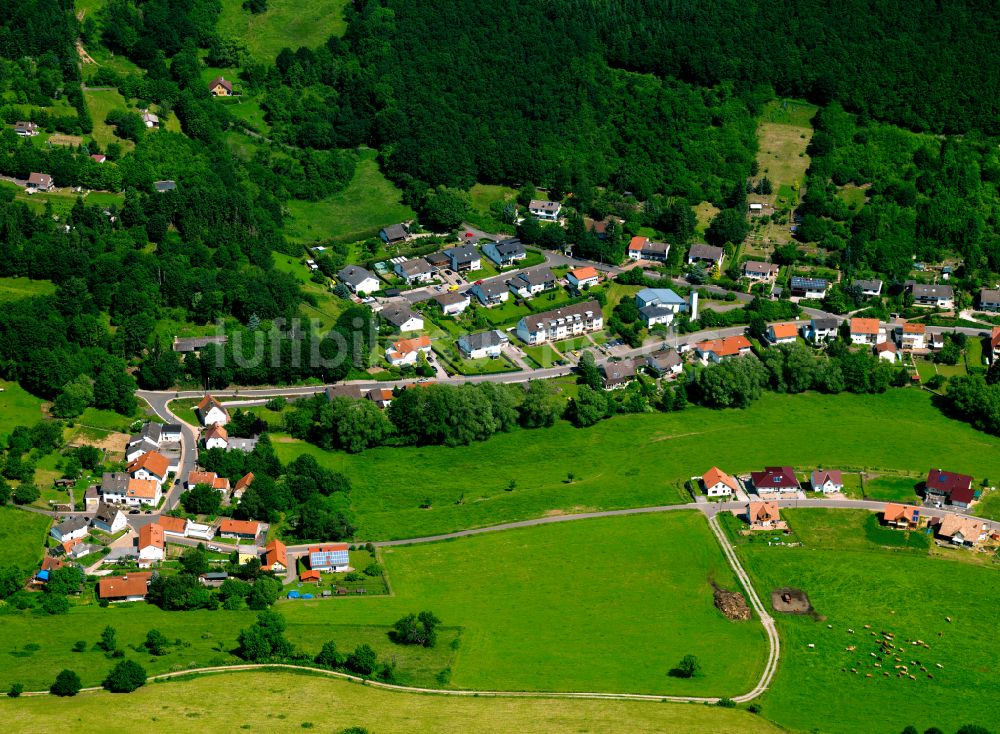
[780, 479]
[963, 531]
[713, 256]
[39, 182]
[358, 280]
[902, 516]
[407, 351]
[464, 258]
[69, 530]
[142, 492]
[760, 271]
[215, 437]
[581, 278]
[484, 344]
[109, 518]
[150, 466]
[381, 396]
[394, 234]
[413, 271]
[211, 411]
[453, 303]
[867, 331]
[330, 558]
[208, 478]
[666, 363]
[949, 488]
[827, 481]
[717, 483]
[617, 374]
[989, 299]
[275, 557]
[25, 129]
[869, 288]
[911, 336]
[561, 323]
[546, 210]
[242, 485]
[150, 120]
[403, 318]
[886, 351]
[490, 292]
[809, 287]
[530, 283]
[239, 529]
[219, 87]
[658, 305]
[151, 544]
[931, 296]
[822, 328]
[716, 350]
[505, 252]
[763, 515]
[131, 587]
[785, 333]
[642, 248]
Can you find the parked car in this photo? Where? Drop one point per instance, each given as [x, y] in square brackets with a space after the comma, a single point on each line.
[133, 512]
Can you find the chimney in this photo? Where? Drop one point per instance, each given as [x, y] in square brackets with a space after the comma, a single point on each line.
[693, 304]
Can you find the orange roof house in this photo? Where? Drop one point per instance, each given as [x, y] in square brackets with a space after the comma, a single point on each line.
[763, 514]
[783, 332]
[142, 489]
[276, 556]
[637, 243]
[152, 462]
[718, 349]
[202, 477]
[244, 481]
[151, 536]
[132, 586]
[586, 273]
[175, 525]
[310, 575]
[244, 528]
[911, 328]
[901, 515]
[718, 484]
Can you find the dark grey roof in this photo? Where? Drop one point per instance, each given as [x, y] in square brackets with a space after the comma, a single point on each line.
[342, 391]
[576, 312]
[199, 342]
[932, 291]
[418, 266]
[510, 247]
[398, 315]
[868, 285]
[215, 576]
[246, 445]
[706, 252]
[989, 295]
[662, 361]
[106, 513]
[162, 186]
[489, 288]
[800, 282]
[463, 253]
[395, 231]
[115, 482]
[548, 206]
[615, 372]
[482, 340]
[68, 526]
[654, 311]
[171, 428]
[354, 275]
[538, 276]
[450, 299]
[824, 323]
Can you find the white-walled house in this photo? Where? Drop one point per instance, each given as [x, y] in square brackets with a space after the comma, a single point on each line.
[151, 545]
[561, 323]
[211, 411]
[215, 437]
[484, 344]
[71, 529]
[545, 210]
[827, 481]
[109, 518]
[867, 331]
[717, 483]
[358, 280]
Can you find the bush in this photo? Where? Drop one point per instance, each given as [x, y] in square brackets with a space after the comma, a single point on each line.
[414, 629]
[16, 689]
[688, 667]
[79, 646]
[754, 708]
[67, 683]
[125, 677]
[726, 703]
[26, 493]
[373, 569]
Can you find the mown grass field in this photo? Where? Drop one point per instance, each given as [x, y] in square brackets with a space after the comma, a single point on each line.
[17, 407]
[100, 102]
[12, 289]
[285, 23]
[854, 582]
[553, 607]
[273, 702]
[369, 203]
[639, 460]
[22, 536]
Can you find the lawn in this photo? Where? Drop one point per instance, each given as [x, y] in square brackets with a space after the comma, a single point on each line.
[272, 702]
[853, 196]
[328, 306]
[285, 23]
[485, 195]
[853, 582]
[892, 488]
[639, 460]
[22, 537]
[100, 102]
[783, 136]
[790, 112]
[543, 355]
[17, 407]
[369, 203]
[12, 289]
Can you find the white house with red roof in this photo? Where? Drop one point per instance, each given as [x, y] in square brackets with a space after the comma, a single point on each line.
[827, 481]
[719, 484]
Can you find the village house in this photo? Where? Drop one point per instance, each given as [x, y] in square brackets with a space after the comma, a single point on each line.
[242, 485]
[394, 234]
[413, 271]
[949, 488]
[911, 336]
[642, 248]
[147, 492]
[545, 210]
[211, 411]
[490, 292]
[483, 344]
[332, 557]
[530, 283]
[109, 518]
[381, 396]
[219, 87]
[453, 304]
[246, 445]
[785, 333]
[239, 529]
[763, 516]
[760, 272]
[931, 296]
[827, 481]
[464, 258]
[275, 557]
[814, 288]
[151, 545]
[152, 465]
[131, 587]
[965, 531]
[197, 343]
[580, 278]
[147, 440]
[869, 288]
[174, 527]
[208, 478]
[98, 158]
[407, 351]
[867, 331]
[150, 120]
[600, 228]
[215, 437]
[989, 299]
[25, 129]
[716, 350]
[72, 529]
[39, 182]
[902, 516]
[358, 280]
[403, 318]
[822, 328]
[561, 323]
[717, 483]
[886, 351]
[658, 305]
[616, 375]
[665, 363]
[50, 564]
[775, 479]
[505, 252]
[706, 254]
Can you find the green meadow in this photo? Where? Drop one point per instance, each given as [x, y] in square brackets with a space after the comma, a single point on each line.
[643, 460]
[284, 23]
[22, 536]
[854, 580]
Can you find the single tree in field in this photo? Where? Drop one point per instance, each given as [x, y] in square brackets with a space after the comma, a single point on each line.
[125, 677]
[67, 683]
[688, 667]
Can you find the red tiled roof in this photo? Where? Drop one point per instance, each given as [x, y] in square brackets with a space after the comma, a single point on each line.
[243, 527]
[894, 512]
[202, 477]
[216, 430]
[154, 462]
[715, 475]
[404, 346]
[328, 547]
[958, 487]
[865, 326]
[914, 328]
[725, 347]
[151, 535]
[784, 331]
[142, 488]
[207, 402]
[584, 273]
[637, 243]
[761, 511]
[133, 584]
[245, 481]
[172, 524]
[774, 477]
[309, 575]
[275, 551]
